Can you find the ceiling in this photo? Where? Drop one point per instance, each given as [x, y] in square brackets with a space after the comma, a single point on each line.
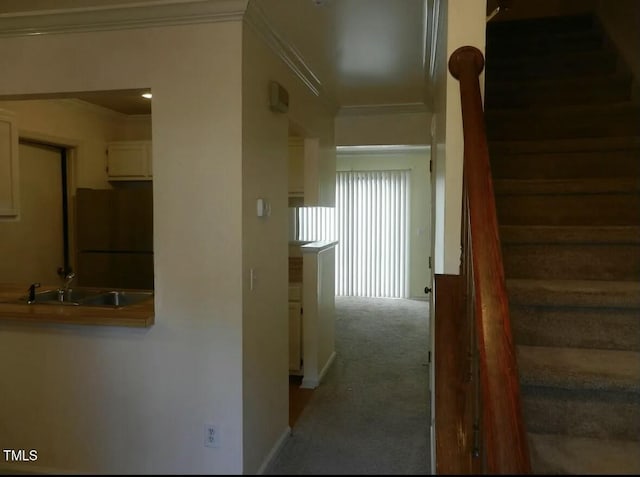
[362, 52]
[122, 101]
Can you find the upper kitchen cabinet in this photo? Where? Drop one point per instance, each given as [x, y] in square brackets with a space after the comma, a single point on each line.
[296, 166]
[8, 165]
[129, 161]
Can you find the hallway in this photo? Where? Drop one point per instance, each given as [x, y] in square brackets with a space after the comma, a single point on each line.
[370, 414]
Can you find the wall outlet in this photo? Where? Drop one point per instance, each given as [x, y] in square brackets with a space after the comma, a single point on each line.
[211, 435]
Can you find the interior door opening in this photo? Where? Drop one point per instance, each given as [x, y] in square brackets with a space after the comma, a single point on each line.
[38, 240]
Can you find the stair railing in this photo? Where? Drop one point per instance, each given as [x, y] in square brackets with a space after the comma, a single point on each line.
[503, 6]
[500, 440]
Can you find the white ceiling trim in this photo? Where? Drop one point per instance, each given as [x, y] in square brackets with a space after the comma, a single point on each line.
[256, 18]
[374, 149]
[286, 52]
[434, 21]
[400, 108]
[136, 15]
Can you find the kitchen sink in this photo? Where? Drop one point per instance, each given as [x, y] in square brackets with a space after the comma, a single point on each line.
[72, 296]
[117, 298]
[89, 297]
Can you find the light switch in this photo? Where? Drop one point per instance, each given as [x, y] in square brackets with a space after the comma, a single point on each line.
[263, 208]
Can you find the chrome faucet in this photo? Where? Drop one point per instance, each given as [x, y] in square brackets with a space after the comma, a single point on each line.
[67, 277]
[32, 293]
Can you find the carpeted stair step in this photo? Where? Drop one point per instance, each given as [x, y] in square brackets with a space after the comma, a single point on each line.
[581, 392]
[549, 25]
[559, 454]
[541, 42]
[550, 92]
[586, 253]
[566, 159]
[562, 122]
[595, 63]
[576, 326]
[564, 138]
[574, 293]
[593, 202]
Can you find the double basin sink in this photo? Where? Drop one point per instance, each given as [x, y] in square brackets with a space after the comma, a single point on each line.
[88, 297]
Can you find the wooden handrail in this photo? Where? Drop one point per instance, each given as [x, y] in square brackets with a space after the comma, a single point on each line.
[503, 440]
[503, 6]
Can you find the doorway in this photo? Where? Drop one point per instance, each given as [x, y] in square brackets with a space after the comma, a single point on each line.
[38, 240]
[383, 206]
[372, 217]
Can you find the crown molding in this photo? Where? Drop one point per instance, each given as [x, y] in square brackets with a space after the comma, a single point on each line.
[375, 109]
[256, 18]
[380, 149]
[119, 17]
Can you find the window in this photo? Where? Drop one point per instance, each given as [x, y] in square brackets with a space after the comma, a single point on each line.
[372, 222]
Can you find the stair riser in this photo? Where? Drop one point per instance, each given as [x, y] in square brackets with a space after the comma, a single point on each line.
[525, 95]
[572, 261]
[577, 209]
[561, 125]
[608, 328]
[575, 298]
[598, 414]
[566, 165]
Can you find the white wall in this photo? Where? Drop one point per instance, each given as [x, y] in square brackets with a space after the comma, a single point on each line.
[71, 123]
[265, 239]
[119, 400]
[136, 127]
[463, 23]
[420, 203]
[382, 128]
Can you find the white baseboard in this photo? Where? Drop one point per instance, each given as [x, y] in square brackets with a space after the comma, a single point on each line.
[327, 366]
[312, 383]
[419, 298]
[274, 451]
[308, 383]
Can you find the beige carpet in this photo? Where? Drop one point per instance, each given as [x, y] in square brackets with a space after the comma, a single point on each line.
[370, 414]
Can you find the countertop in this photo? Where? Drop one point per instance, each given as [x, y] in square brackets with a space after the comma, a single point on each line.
[319, 246]
[12, 309]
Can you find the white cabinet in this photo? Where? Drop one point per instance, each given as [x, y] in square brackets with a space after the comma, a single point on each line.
[9, 192]
[295, 328]
[295, 337]
[129, 161]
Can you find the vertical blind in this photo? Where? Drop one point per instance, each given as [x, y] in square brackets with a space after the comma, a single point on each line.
[372, 221]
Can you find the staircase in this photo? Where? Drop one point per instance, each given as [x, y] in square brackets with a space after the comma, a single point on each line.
[564, 139]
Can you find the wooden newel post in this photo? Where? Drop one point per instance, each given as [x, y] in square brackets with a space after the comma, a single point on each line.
[466, 64]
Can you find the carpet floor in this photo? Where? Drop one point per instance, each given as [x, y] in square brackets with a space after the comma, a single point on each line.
[370, 414]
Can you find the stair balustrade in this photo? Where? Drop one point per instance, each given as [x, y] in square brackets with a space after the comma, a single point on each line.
[479, 397]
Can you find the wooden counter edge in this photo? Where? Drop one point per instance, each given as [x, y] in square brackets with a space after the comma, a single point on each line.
[144, 320]
[139, 315]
